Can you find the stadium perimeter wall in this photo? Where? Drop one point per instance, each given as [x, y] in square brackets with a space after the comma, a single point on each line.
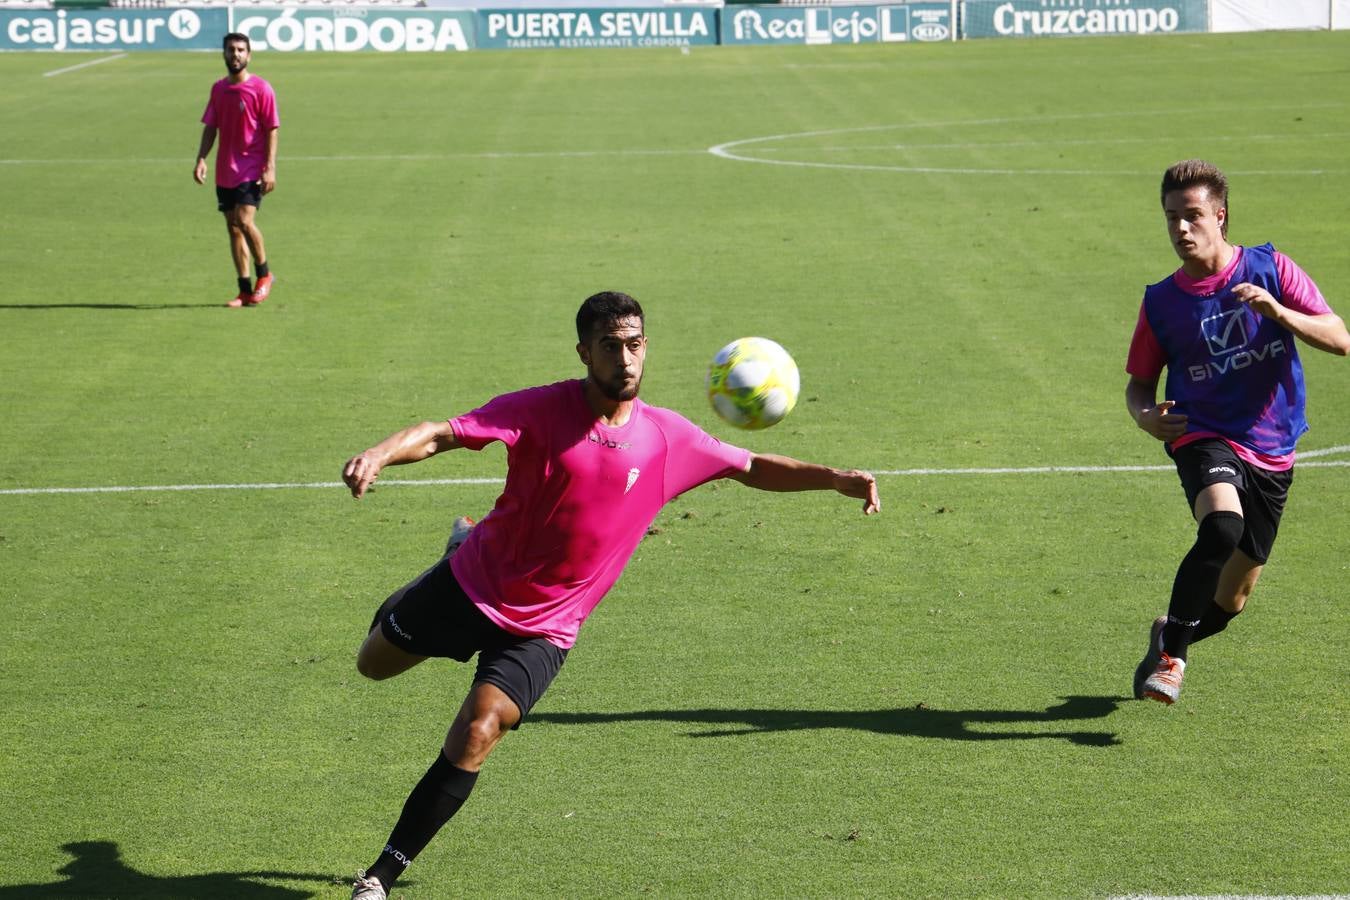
[352, 28]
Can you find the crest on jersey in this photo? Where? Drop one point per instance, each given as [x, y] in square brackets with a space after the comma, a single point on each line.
[632, 479]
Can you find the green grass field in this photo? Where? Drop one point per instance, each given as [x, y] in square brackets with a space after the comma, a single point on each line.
[780, 698]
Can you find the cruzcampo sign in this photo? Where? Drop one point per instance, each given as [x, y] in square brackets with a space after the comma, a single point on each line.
[1052, 18]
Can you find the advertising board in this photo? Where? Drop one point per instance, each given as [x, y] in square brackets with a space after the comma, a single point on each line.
[108, 29]
[1046, 18]
[837, 24]
[377, 29]
[548, 28]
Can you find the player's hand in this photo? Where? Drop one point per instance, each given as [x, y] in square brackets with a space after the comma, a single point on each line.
[1257, 298]
[268, 180]
[1163, 424]
[861, 485]
[199, 172]
[360, 473]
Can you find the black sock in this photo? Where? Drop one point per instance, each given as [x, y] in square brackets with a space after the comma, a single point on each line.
[1198, 577]
[1215, 619]
[261, 270]
[437, 797]
[245, 286]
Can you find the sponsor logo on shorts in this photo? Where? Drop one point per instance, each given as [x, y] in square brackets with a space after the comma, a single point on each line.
[393, 623]
[1222, 470]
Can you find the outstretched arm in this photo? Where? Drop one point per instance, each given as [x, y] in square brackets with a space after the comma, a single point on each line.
[412, 444]
[783, 473]
[1325, 332]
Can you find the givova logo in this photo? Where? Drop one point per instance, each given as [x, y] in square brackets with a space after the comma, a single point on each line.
[1225, 333]
[1227, 339]
[352, 31]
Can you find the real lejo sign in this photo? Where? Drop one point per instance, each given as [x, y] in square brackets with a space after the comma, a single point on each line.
[836, 24]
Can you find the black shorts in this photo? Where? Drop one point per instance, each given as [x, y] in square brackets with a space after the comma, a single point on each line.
[249, 193]
[432, 616]
[1263, 492]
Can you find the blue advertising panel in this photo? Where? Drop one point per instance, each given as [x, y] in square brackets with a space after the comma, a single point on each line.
[837, 24]
[356, 29]
[651, 27]
[1046, 18]
[109, 29]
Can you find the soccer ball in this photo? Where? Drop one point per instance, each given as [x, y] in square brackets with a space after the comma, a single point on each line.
[753, 383]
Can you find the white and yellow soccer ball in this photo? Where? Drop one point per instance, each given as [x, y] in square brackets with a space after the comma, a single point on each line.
[753, 383]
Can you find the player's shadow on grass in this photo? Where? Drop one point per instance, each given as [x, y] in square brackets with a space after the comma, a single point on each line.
[112, 305]
[97, 872]
[916, 721]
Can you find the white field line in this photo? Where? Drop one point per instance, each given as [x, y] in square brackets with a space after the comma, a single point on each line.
[1232, 897]
[432, 482]
[729, 150]
[84, 65]
[723, 150]
[1053, 142]
[378, 157]
[1325, 451]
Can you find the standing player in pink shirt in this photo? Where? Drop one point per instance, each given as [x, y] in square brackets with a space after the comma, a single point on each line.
[589, 466]
[243, 110]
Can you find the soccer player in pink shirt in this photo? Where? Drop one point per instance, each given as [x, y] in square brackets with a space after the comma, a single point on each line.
[589, 465]
[1224, 327]
[243, 111]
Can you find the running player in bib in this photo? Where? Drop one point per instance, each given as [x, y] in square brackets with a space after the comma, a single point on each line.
[1224, 327]
[589, 465]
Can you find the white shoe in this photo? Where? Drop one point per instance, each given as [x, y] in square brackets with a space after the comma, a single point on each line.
[368, 887]
[1164, 685]
[1151, 656]
[459, 533]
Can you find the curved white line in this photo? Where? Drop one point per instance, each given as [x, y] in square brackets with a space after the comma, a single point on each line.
[726, 150]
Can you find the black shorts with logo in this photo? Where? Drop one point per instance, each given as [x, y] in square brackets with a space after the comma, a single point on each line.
[432, 616]
[249, 193]
[1263, 493]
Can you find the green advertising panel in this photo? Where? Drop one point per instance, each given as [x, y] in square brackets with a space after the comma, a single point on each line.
[107, 29]
[1050, 18]
[356, 29]
[837, 24]
[519, 29]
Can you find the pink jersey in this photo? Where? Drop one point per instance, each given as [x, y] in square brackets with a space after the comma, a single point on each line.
[242, 114]
[1146, 358]
[579, 497]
